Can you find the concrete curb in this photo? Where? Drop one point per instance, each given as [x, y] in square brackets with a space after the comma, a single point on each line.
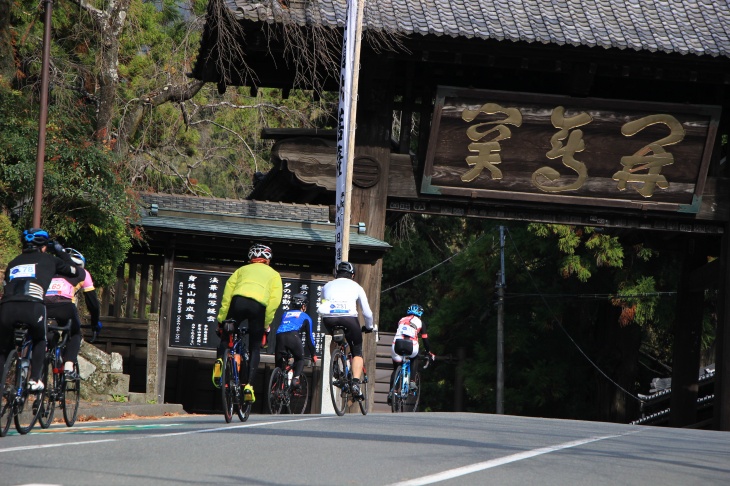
[112, 410]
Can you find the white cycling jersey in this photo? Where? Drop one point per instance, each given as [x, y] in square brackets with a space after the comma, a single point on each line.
[340, 298]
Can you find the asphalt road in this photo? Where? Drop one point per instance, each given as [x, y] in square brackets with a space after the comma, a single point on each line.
[378, 449]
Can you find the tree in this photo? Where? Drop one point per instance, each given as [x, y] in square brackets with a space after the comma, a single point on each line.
[579, 306]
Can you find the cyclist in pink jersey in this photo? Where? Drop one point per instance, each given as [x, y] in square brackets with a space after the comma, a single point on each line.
[60, 303]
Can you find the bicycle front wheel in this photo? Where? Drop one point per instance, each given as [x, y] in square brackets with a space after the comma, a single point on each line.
[71, 396]
[276, 391]
[45, 416]
[228, 387]
[299, 396]
[338, 382]
[414, 394]
[396, 403]
[7, 389]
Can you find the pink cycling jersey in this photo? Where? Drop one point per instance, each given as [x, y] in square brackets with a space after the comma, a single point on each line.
[61, 287]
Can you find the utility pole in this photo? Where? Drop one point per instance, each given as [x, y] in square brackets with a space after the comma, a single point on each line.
[500, 325]
[43, 117]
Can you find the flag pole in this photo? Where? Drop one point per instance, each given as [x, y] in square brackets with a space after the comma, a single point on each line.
[349, 75]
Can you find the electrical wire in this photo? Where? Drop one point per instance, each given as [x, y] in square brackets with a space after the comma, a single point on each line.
[555, 319]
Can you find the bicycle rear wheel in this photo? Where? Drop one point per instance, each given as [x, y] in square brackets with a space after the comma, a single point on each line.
[71, 396]
[228, 385]
[7, 388]
[276, 391]
[364, 391]
[27, 410]
[338, 382]
[243, 408]
[45, 416]
[396, 403]
[414, 394]
[299, 398]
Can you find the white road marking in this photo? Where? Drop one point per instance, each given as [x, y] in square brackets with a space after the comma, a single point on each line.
[161, 436]
[480, 466]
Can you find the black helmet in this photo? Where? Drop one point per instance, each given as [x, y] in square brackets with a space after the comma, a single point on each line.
[259, 253]
[299, 300]
[345, 267]
[35, 237]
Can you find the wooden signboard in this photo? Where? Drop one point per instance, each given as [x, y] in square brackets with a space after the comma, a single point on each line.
[574, 151]
[197, 296]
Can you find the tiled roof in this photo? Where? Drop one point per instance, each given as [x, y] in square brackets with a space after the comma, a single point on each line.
[270, 221]
[239, 207]
[317, 235]
[699, 27]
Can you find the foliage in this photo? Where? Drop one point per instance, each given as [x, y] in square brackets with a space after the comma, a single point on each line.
[569, 293]
[9, 241]
[85, 202]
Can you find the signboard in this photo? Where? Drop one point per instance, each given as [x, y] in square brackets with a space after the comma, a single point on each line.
[575, 151]
[197, 296]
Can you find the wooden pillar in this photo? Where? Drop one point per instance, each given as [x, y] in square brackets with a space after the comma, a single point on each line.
[164, 334]
[369, 202]
[687, 340]
[722, 359]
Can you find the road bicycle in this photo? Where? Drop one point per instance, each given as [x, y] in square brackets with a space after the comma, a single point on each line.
[281, 392]
[406, 391]
[341, 376]
[60, 389]
[235, 360]
[18, 402]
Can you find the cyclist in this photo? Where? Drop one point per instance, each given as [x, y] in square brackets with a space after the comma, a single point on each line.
[61, 304]
[253, 293]
[339, 307]
[405, 341]
[26, 280]
[288, 337]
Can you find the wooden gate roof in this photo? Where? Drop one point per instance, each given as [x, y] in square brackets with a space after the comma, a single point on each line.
[223, 229]
[700, 27]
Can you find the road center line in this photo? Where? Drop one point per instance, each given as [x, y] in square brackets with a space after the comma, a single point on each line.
[480, 466]
[160, 436]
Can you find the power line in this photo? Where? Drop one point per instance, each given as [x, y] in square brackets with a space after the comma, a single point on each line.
[437, 265]
[557, 322]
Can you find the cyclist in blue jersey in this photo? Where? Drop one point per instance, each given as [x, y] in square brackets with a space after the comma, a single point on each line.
[294, 322]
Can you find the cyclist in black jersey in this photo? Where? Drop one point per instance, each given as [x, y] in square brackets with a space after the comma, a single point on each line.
[26, 280]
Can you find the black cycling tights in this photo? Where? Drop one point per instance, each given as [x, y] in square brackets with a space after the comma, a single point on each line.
[63, 312]
[241, 309]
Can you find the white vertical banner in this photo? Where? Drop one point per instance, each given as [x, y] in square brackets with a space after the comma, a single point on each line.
[349, 66]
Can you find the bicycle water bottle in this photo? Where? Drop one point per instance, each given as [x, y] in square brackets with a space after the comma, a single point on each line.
[24, 370]
[289, 376]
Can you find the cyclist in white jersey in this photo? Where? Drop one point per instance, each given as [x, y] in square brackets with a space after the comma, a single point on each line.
[340, 298]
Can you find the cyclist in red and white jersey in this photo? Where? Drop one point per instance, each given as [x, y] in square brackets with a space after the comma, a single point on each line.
[405, 341]
[340, 298]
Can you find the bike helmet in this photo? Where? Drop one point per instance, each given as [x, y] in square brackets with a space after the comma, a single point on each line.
[345, 267]
[35, 237]
[299, 300]
[259, 253]
[415, 310]
[76, 257]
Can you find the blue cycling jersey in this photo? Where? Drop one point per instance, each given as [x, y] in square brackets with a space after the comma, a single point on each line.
[293, 320]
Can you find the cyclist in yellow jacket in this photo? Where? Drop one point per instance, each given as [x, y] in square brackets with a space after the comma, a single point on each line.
[253, 293]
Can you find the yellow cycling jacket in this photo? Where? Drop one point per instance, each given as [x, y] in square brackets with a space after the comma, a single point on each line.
[257, 281]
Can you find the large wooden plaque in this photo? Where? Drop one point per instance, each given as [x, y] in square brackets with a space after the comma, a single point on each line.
[574, 151]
